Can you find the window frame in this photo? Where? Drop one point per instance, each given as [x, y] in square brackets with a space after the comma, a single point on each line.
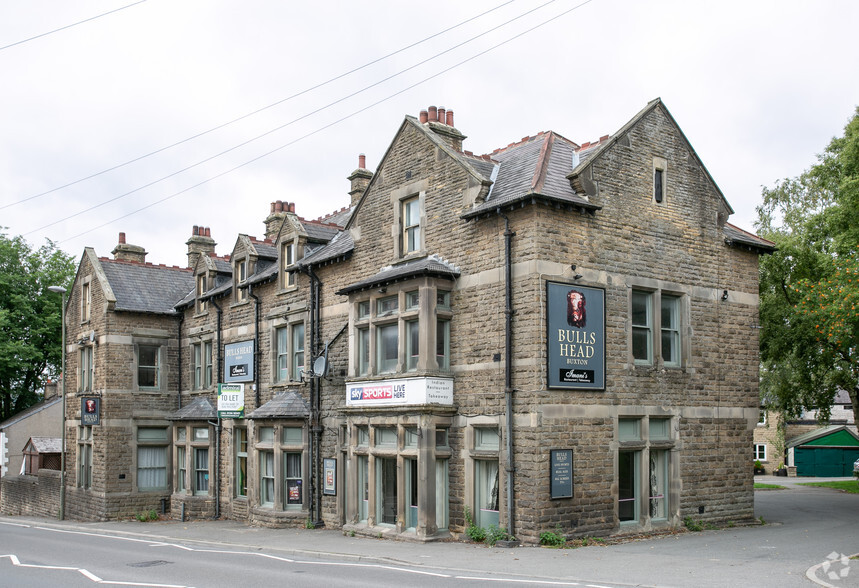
[273, 446]
[289, 257]
[86, 299]
[760, 448]
[85, 454]
[660, 180]
[161, 444]
[86, 369]
[201, 285]
[158, 367]
[411, 217]
[241, 272]
[412, 330]
[287, 356]
[654, 329]
[240, 440]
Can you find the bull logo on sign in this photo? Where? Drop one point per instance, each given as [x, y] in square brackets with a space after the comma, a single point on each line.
[576, 315]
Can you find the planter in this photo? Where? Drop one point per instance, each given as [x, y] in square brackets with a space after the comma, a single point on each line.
[782, 472]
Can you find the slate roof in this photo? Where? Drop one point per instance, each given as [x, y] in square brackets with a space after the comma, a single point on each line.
[144, 287]
[46, 444]
[38, 407]
[320, 232]
[339, 218]
[536, 167]
[341, 245]
[200, 409]
[738, 237]
[429, 266]
[284, 404]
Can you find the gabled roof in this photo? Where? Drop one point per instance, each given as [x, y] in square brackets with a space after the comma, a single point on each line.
[145, 287]
[45, 444]
[199, 409]
[469, 164]
[811, 436]
[284, 404]
[36, 408]
[429, 266]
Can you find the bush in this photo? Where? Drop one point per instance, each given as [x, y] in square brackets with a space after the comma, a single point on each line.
[475, 533]
[145, 517]
[553, 538]
[496, 534]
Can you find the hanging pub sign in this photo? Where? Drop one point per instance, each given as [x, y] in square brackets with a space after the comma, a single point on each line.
[90, 411]
[576, 336]
[231, 401]
[239, 362]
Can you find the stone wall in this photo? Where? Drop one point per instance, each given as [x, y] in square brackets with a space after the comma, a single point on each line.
[37, 496]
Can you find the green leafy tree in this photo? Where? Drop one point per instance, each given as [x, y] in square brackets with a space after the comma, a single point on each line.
[30, 319]
[810, 286]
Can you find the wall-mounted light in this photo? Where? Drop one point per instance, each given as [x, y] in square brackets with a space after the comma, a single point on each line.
[575, 275]
[382, 290]
[724, 295]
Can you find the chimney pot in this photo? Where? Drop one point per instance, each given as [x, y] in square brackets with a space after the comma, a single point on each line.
[424, 117]
[122, 237]
[292, 207]
[208, 232]
[441, 114]
[195, 231]
[449, 120]
[272, 208]
[433, 114]
[362, 161]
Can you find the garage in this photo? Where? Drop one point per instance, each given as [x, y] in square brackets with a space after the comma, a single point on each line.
[827, 452]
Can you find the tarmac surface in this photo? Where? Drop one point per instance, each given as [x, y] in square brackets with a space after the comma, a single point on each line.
[804, 525]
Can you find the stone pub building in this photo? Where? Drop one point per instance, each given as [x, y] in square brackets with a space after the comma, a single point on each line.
[551, 334]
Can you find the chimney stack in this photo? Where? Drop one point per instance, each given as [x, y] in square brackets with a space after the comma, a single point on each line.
[200, 243]
[440, 120]
[360, 179]
[276, 218]
[126, 252]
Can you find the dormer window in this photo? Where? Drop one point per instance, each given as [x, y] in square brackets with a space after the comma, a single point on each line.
[202, 287]
[241, 277]
[288, 259]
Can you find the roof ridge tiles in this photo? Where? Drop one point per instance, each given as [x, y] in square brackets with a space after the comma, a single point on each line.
[522, 141]
[143, 263]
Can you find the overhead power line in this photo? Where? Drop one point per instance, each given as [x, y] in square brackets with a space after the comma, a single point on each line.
[254, 112]
[278, 128]
[70, 25]
[331, 124]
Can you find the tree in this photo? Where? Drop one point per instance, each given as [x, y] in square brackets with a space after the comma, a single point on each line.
[810, 286]
[30, 319]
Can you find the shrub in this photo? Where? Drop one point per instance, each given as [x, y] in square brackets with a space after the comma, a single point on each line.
[475, 533]
[495, 534]
[553, 538]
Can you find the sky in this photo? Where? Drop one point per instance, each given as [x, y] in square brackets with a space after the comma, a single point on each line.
[125, 122]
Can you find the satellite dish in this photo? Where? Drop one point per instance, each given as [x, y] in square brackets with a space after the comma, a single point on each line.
[320, 366]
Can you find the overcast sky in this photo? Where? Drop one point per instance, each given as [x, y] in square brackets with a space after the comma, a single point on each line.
[759, 88]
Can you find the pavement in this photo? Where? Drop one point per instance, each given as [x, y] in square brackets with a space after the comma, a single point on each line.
[804, 526]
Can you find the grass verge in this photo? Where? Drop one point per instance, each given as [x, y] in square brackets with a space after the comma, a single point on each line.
[850, 486]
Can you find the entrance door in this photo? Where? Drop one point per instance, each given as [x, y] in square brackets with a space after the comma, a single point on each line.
[386, 480]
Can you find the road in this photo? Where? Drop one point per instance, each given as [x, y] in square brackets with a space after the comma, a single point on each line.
[804, 528]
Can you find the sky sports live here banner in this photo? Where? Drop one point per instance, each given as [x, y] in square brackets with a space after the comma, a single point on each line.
[576, 336]
[399, 392]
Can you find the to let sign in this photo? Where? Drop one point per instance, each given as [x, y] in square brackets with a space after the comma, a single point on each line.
[562, 473]
[231, 401]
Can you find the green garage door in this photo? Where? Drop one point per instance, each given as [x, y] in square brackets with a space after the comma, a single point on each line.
[828, 462]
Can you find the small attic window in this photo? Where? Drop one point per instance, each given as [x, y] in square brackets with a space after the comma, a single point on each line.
[660, 166]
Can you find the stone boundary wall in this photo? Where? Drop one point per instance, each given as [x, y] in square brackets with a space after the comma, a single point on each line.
[37, 495]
